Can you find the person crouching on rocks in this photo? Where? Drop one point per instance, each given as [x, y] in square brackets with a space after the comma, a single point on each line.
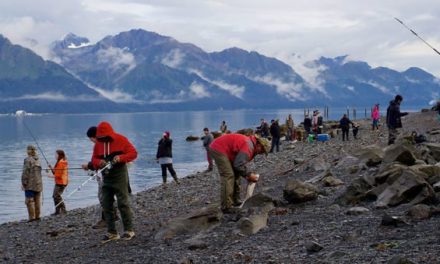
[164, 156]
[114, 151]
[32, 183]
[61, 175]
[232, 153]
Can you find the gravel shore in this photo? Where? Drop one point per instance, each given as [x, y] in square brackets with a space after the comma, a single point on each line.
[344, 238]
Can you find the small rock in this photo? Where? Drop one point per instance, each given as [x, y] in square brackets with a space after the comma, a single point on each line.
[395, 221]
[420, 212]
[358, 210]
[195, 244]
[331, 181]
[294, 223]
[399, 260]
[298, 161]
[192, 138]
[186, 261]
[296, 191]
[313, 247]
[436, 186]
[334, 207]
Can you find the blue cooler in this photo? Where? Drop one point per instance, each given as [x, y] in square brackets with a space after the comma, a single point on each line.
[323, 137]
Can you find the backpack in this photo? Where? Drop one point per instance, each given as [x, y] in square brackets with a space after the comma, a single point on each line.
[420, 138]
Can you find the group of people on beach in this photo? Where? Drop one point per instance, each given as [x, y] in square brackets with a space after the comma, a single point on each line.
[230, 152]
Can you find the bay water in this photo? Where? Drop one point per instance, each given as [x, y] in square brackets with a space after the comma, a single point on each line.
[68, 132]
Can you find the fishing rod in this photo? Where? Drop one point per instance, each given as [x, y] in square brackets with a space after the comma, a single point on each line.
[108, 166]
[412, 31]
[36, 142]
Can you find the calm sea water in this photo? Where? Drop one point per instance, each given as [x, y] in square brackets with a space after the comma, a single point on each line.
[68, 132]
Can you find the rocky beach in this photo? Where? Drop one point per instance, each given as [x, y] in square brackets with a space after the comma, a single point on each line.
[355, 201]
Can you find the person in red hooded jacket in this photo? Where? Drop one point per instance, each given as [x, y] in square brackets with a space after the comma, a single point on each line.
[114, 148]
[231, 153]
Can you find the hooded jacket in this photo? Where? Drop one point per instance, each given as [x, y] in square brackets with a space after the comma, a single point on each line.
[31, 177]
[165, 148]
[394, 115]
[239, 149]
[114, 145]
[375, 114]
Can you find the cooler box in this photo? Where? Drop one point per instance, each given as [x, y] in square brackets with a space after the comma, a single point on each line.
[323, 137]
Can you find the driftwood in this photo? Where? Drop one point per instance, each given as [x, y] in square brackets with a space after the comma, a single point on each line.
[258, 208]
[252, 224]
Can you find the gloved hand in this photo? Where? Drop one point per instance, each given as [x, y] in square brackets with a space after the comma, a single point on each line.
[253, 177]
[102, 164]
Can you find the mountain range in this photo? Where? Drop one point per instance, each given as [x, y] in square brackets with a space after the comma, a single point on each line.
[140, 70]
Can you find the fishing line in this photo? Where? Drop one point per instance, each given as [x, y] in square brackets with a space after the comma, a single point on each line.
[36, 142]
[108, 166]
[412, 31]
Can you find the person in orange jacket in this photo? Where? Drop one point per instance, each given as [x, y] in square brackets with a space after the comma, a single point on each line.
[232, 153]
[115, 149]
[61, 174]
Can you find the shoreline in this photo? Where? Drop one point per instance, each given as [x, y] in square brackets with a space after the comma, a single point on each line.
[345, 238]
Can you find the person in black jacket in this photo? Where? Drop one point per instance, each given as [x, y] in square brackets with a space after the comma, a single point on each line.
[344, 124]
[164, 157]
[307, 124]
[394, 118]
[275, 132]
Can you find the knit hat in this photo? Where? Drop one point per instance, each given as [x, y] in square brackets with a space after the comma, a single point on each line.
[166, 134]
[263, 142]
[91, 132]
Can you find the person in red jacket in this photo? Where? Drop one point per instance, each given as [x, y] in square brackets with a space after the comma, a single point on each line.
[231, 153]
[115, 149]
[61, 174]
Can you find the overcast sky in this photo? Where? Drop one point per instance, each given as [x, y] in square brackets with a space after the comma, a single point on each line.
[291, 30]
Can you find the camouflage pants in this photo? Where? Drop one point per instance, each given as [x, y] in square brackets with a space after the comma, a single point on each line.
[229, 180]
[392, 135]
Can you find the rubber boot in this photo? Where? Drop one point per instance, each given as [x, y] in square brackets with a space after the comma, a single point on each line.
[175, 178]
[30, 204]
[37, 198]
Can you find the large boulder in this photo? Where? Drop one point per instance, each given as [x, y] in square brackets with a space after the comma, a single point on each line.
[409, 187]
[356, 192]
[434, 149]
[192, 138]
[200, 220]
[371, 155]
[399, 153]
[389, 173]
[297, 191]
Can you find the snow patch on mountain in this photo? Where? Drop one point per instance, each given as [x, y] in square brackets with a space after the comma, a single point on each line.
[82, 45]
[173, 59]
[117, 58]
[234, 90]
[198, 90]
[292, 91]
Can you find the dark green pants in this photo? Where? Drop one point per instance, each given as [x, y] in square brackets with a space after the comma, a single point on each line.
[57, 192]
[116, 184]
[230, 181]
